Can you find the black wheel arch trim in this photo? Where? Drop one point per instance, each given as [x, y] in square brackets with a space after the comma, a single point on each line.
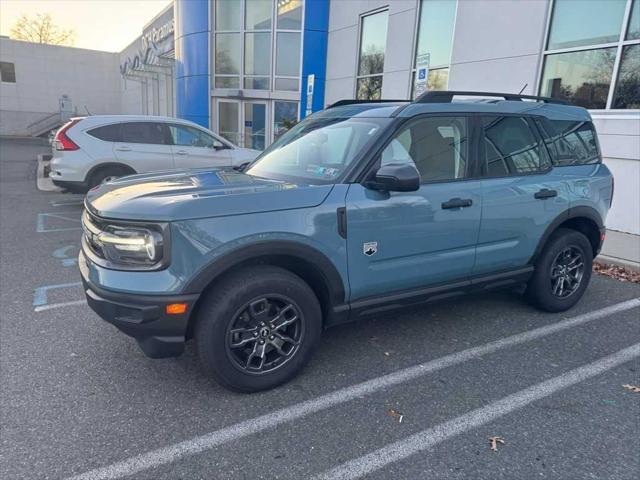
[279, 248]
[589, 213]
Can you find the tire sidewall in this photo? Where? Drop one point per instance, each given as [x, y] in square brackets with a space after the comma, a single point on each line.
[216, 315]
[540, 287]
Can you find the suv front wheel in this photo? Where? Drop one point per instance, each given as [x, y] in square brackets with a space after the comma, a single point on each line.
[562, 272]
[257, 328]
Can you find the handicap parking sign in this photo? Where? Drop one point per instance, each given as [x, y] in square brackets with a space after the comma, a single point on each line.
[422, 74]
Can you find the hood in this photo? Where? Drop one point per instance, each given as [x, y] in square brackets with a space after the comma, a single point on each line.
[202, 193]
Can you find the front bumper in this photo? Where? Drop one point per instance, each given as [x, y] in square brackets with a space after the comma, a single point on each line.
[142, 317]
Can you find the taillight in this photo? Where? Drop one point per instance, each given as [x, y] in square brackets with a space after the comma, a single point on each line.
[62, 140]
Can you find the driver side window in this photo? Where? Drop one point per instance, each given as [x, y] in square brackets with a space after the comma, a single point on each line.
[192, 137]
[437, 147]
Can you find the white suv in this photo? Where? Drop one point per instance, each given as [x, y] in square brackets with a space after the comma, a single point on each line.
[88, 151]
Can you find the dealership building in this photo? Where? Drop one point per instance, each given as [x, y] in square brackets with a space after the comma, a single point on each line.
[249, 69]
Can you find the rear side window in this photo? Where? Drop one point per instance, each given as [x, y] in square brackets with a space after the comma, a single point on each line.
[108, 133]
[146, 132]
[570, 142]
[511, 146]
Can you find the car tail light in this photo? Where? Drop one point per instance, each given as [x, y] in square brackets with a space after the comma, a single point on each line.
[62, 140]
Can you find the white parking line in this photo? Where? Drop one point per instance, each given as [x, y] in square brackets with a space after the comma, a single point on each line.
[426, 439]
[51, 306]
[171, 453]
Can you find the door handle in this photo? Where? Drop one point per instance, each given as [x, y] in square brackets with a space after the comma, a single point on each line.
[181, 152]
[457, 203]
[123, 149]
[545, 193]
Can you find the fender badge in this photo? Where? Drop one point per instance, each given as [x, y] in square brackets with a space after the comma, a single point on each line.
[370, 248]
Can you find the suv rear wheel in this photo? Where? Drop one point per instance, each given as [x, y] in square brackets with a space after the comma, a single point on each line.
[257, 328]
[562, 272]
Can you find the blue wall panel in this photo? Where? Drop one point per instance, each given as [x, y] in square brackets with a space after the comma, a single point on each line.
[314, 55]
[192, 60]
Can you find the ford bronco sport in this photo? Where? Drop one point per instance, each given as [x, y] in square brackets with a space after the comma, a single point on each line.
[357, 209]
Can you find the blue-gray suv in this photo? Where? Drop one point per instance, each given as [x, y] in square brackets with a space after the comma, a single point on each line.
[360, 208]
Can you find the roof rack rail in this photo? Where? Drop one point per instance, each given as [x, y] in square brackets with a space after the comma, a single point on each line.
[447, 97]
[340, 103]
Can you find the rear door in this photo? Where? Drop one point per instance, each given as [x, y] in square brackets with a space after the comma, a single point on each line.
[145, 146]
[194, 148]
[522, 194]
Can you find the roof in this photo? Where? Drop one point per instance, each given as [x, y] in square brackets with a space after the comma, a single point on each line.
[443, 102]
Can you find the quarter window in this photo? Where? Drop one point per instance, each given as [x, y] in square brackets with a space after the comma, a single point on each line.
[591, 58]
[571, 143]
[437, 146]
[108, 133]
[511, 147]
[373, 43]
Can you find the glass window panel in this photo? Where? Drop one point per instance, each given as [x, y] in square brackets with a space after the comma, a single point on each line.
[290, 14]
[256, 83]
[580, 77]
[257, 53]
[255, 121]
[287, 84]
[145, 132]
[227, 82]
[438, 79]
[285, 116]
[190, 137]
[228, 53]
[373, 43]
[369, 88]
[288, 54]
[228, 14]
[435, 32]
[257, 14]
[633, 33]
[7, 72]
[511, 148]
[571, 143]
[437, 147]
[627, 93]
[585, 22]
[228, 119]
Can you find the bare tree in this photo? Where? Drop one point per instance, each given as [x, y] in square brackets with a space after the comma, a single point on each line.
[41, 29]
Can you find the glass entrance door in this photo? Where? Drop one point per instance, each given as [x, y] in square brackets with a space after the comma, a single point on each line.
[229, 120]
[255, 125]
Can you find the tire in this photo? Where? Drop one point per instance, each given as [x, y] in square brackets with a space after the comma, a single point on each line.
[545, 288]
[238, 302]
[106, 173]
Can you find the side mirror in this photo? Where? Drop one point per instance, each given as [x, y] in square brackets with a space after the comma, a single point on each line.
[396, 177]
[218, 145]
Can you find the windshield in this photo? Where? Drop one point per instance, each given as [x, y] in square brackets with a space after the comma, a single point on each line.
[317, 150]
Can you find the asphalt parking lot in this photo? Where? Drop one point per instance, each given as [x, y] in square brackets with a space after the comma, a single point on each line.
[407, 395]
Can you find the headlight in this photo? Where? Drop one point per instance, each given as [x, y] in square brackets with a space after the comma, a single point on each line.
[125, 246]
[134, 246]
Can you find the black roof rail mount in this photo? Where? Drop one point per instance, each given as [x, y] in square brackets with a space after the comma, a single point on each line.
[447, 97]
[347, 101]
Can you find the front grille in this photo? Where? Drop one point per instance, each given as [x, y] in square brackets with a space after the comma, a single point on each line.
[91, 227]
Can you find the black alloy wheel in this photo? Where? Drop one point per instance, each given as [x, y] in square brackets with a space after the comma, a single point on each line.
[566, 271]
[265, 334]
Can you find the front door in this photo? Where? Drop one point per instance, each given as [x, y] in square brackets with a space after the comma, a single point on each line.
[404, 240]
[194, 148]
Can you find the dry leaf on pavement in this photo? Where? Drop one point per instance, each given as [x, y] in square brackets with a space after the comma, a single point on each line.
[494, 443]
[633, 388]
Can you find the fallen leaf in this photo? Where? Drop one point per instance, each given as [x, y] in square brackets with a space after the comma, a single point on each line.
[615, 271]
[395, 414]
[633, 388]
[494, 443]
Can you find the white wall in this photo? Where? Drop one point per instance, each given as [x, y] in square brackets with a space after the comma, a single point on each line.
[46, 72]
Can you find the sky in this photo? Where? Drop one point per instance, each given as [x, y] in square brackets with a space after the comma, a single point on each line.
[108, 25]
